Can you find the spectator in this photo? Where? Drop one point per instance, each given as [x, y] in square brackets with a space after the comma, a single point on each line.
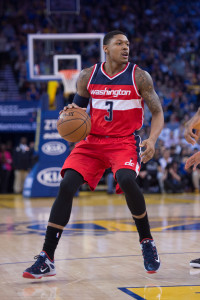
[172, 141]
[9, 148]
[148, 176]
[165, 134]
[172, 179]
[32, 93]
[174, 153]
[6, 167]
[21, 164]
[186, 175]
[33, 156]
[163, 161]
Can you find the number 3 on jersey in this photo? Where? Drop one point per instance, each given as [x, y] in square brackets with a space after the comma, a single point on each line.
[110, 111]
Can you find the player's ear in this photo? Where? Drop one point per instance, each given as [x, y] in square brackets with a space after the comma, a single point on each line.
[105, 48]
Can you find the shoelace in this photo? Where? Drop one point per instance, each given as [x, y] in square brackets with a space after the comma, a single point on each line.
[150, 251]
[39, 260]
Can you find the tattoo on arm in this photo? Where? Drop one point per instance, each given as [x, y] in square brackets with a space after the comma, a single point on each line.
[146, 89]
[82, 82]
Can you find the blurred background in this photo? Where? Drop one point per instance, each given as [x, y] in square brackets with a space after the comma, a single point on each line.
[164, 40]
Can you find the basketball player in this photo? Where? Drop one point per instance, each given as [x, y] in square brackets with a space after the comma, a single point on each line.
[194, 160]
[116, 89]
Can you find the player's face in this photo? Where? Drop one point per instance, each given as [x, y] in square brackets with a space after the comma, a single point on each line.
[118, 48]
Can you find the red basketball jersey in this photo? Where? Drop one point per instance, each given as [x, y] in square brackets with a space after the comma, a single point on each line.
[116, 107]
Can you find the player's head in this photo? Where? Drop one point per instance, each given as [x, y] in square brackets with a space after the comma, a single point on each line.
[23, 140]
[116, 46]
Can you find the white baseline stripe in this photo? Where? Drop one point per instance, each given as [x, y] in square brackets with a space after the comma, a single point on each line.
[117, 104]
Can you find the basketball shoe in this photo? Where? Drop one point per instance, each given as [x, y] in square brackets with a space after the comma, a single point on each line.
[43, 267]
[150, 255]
[195, 263]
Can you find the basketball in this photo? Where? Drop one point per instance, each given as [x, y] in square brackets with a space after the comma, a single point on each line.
[74, 124]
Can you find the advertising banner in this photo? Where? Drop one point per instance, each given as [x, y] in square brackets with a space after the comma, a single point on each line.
[18, 116]
[44, 179]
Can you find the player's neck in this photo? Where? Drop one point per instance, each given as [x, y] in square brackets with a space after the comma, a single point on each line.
[112, 68]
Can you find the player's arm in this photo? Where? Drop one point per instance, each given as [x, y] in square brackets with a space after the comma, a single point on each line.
[193, 123]
[146, 89]
[82, 96]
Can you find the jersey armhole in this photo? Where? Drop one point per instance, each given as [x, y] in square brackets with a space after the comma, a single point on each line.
[94, 68]
[134, 82]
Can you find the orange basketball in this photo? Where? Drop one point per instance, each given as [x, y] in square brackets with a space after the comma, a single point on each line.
[74, 124]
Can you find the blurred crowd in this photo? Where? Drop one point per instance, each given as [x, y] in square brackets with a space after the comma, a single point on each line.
[165, 41]
[164, 36]
[165, 173]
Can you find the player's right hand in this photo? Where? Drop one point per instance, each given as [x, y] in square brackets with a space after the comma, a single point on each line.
[72, 105]
[194, 160]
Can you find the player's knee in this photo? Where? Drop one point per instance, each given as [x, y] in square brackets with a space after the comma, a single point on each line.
[126, 178]
[64, 186]
[71, 182]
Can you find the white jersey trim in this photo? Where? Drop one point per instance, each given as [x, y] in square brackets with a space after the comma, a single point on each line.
[134, 83]
[95, 66]
[118, 74]
[117, 104]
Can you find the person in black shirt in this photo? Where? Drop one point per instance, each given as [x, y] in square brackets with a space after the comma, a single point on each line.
[21, 164]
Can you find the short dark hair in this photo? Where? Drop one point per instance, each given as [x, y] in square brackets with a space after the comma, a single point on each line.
[110, 35]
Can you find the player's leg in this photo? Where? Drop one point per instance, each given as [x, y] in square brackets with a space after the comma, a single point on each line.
[59, 217]
[79, 167]
[17, 182]
[136, 203]
[196, 179]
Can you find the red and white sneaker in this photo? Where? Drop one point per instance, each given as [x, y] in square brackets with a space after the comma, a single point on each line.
[43, 267]
[150, 255]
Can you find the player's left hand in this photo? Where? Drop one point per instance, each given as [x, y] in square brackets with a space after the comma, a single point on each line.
[149, 151]
[72, 105]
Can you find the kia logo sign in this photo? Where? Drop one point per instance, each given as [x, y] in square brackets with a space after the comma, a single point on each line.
[54, 148]
[50, 176]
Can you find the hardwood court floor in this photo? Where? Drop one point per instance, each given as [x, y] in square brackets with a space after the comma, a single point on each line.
[99, 256]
